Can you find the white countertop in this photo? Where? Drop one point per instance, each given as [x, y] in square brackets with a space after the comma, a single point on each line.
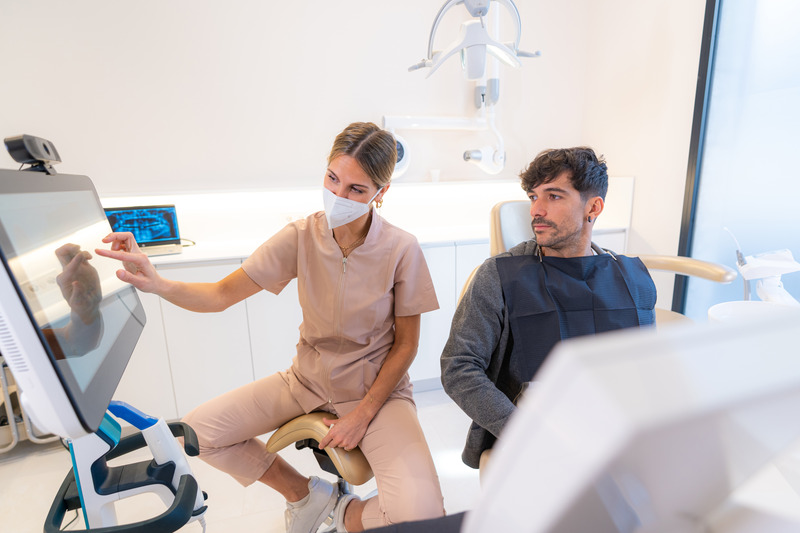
[230, 225]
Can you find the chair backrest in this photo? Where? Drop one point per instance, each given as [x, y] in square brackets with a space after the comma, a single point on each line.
[510, 224]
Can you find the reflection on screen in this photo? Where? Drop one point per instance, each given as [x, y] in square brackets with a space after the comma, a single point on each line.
[75, 297]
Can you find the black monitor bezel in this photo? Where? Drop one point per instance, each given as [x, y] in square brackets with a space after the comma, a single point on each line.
[89, 404]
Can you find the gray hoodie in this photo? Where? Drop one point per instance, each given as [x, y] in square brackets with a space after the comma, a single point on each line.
[475, 352]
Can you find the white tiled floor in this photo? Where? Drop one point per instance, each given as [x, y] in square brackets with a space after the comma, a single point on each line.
[31, 474]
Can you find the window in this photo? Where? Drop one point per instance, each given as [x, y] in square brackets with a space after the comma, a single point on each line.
[748, 175]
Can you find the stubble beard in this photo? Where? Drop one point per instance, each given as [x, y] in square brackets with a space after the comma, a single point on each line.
[557, 240]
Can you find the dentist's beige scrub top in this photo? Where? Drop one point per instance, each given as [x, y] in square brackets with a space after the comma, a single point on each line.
[349, 305]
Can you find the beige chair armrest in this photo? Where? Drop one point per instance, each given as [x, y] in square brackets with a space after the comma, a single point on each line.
[665, 316]
[688, 266]
[351, 465]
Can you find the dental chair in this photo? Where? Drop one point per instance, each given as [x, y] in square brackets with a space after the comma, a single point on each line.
[510, 224]
[306, 431]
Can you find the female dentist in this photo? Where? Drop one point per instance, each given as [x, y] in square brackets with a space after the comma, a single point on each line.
[362, 285]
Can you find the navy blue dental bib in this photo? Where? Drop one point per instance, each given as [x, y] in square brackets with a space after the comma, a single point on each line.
[554, 298]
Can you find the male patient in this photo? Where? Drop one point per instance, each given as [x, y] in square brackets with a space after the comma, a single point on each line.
[555, 286]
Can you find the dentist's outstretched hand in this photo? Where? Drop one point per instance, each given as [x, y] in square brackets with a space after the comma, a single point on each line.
[138, 271]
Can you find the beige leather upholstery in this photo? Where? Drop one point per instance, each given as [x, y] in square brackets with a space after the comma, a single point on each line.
[351, 465]
[688, 266]
[483, 462]
[467, 283]
[510, 224]
[666, 316]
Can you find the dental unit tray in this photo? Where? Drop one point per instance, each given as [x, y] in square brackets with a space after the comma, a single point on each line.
[775, 263]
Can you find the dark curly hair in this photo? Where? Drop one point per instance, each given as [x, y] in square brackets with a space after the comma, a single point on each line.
[587, 172]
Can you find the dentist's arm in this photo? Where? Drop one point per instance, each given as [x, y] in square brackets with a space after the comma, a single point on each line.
[199, 297]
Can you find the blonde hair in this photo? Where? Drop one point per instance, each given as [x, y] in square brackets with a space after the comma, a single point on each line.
[373, 148]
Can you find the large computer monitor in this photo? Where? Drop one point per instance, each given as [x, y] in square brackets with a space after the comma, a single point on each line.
[645, 430]
[68, 325]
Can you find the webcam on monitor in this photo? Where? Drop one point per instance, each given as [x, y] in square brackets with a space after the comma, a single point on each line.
[40, 153]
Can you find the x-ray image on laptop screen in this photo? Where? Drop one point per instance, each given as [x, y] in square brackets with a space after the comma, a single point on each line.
[153, 225]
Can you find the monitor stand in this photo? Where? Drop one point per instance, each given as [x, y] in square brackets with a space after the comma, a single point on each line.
[94, 486]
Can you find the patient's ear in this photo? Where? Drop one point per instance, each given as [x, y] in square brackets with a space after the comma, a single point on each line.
[594, 207]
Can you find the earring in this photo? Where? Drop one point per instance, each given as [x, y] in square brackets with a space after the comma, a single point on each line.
[379, 203]
[589, 219]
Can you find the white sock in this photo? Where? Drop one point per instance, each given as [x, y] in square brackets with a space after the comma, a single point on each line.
[302, 501]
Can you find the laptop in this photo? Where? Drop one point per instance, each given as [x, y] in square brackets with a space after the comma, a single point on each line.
[155, 227]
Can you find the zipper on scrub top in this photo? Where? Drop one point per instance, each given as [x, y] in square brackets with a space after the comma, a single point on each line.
[336, 327]
[339, 299]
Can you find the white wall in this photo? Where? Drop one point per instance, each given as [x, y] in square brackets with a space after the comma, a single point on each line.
[642, 70]
[157, 96]
[154, 95]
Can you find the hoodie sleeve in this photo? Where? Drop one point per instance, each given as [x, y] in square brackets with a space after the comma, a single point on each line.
[475, 350]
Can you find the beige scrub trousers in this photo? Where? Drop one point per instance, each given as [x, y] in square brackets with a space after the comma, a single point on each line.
[349, 305]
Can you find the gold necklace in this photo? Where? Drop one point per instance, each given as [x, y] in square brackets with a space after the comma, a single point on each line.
[355, 243]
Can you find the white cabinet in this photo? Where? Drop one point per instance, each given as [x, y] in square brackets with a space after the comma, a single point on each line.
[147, 381]
[614, 240]
[468, 257]
[450, 266]
[209, 353]
[274, 322]
[434, 325]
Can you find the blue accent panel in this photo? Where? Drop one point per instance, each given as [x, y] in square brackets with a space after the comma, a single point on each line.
[110, 431]
[78, 482]
[131, 415]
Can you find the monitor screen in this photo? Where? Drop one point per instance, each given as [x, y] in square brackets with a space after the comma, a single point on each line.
[644, 430]
[151, 225]
[68, 324]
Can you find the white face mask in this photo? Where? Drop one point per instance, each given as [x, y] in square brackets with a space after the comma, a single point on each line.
[339, 211]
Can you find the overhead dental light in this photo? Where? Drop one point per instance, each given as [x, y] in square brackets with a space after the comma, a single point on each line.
[481, 51]
[474, 42]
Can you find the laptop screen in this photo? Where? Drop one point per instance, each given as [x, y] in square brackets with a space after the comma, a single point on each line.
[152, 225]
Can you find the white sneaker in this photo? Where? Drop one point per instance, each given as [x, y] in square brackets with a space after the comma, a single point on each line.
[338, 511]
[306, 517]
